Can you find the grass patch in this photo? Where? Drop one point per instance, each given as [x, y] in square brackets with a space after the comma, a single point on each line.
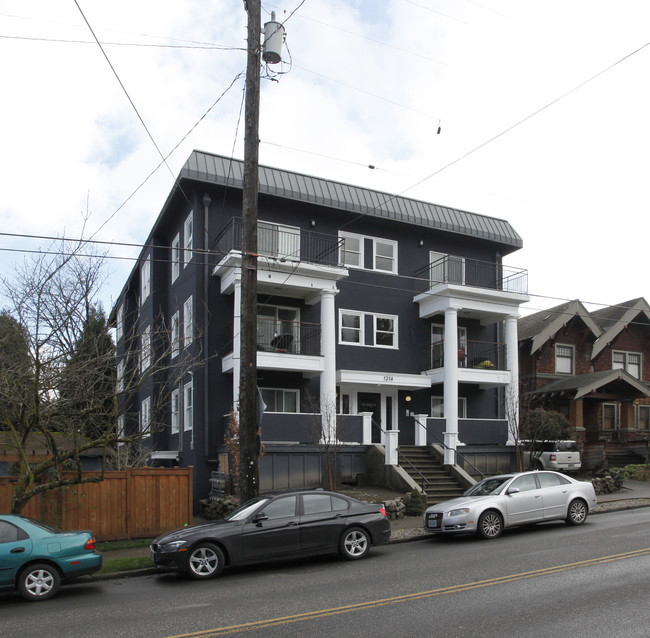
[108, 546]
[112, 565]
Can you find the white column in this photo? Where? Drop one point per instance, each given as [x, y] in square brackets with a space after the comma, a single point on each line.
[451, 385]
[367, 427]
[512, 390]
[328, 375]
[236, 343]
[392, 436]
[421, 429]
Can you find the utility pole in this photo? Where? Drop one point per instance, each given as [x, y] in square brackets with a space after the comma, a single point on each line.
[249, 440]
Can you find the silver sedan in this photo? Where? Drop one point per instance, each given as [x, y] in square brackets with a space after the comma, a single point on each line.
[499, 502]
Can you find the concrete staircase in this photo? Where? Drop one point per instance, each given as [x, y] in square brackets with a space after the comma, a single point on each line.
[436, 479]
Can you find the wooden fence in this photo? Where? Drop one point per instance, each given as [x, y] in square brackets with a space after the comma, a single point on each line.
[135, 503]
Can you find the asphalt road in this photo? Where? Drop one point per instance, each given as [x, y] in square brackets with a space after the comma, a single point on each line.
[551, 579]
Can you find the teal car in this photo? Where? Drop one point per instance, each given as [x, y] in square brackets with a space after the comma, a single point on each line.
[35, 558]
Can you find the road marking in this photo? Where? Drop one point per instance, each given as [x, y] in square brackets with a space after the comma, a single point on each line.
[442, 591]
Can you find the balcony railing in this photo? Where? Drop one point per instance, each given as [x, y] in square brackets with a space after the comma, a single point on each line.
[486, 355]
[451, 269]
[292, 337]
[284, 243]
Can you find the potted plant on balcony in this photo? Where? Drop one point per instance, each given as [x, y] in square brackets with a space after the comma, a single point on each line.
[486, 364]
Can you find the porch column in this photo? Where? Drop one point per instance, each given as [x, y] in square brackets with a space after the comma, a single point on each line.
[392, 437]
[328, 375]
[236, 343]
[451, 385]
[512, 389]
[421, 429]
[366, 428]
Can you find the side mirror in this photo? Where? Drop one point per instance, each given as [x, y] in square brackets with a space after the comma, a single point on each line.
[513, 490]
[258, 518]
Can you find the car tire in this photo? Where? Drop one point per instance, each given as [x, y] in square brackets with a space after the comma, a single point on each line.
[39, 581]
[354, 543]
[577, 512]
[205, 560]
[490, 525]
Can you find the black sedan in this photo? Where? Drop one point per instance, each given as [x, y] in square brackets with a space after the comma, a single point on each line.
[272, 527]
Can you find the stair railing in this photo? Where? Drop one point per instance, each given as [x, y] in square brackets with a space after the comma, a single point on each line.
[424, 480]
[456, 452]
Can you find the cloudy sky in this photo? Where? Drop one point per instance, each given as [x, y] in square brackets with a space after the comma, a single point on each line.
[543, 107]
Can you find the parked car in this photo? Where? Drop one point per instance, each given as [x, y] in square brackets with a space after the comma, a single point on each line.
[35, 557]
[275, 526]
[562, 456]
[499, 502]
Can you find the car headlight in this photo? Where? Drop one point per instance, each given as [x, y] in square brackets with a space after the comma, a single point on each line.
[459, 512]
[173, 546]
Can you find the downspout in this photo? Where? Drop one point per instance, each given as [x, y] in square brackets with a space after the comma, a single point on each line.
[206, 276]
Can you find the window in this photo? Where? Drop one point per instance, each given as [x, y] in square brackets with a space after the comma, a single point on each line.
[188, 322]
[283, 507]
[175, 412]
[563, 359]
[352, 250]
[323, 503]
[278, 400]
[145, 280]
[351, 325]
[145, 416]
[628, 361]
[119, 330]
[385, 331]
[278, 241]
[188, 406]
[145, 345]
[642, 417]
[8, 533]
[525, 483]
[438, 407]
[385, 255]
[546, 479]
[175, 337]
[188, 236]
[176, 257]
[120, 376]
[445, 268]
[611, 416]
[278, 328]
[438, 345]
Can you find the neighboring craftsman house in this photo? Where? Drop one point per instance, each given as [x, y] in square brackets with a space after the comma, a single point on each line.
[397, 314]
[593, 367]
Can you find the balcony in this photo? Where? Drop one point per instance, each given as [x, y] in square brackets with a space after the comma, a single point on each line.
[482, 355]
[283, 243]
[288, 337]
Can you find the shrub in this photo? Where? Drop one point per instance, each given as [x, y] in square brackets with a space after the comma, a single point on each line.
[416, 504]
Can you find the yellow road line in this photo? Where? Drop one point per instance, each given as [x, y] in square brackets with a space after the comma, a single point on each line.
[442, 591]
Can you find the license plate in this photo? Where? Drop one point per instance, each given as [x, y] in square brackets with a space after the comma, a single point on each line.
[433, 522]
[572, 464]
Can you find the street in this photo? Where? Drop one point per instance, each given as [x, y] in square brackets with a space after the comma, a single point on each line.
[585, 581]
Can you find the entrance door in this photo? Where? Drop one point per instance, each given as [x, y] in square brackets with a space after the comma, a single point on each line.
[371, 402]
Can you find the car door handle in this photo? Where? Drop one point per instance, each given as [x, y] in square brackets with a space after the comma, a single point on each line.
[17, 550]
[292, 524]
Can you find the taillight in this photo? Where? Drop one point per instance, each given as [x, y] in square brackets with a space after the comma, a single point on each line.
[382, 510]
[90, 544]
[553, 457]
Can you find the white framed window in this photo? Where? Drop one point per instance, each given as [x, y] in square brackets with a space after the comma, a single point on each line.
[188, 322]
[611, 416]
[438, 344]
[145, 346]
[278, 241]
[145, 280]
[628, 361]
[175, 412]
[175, 335]
[120, 376]
[176, 257]
[145, 416]
[385, 255]
[352, 250]
[351, 327]
[564, 359]
[280, 400]
[385, 331]
[438, 407]
[642, 417]
[188, 238]
[188, 406]
[119, 329]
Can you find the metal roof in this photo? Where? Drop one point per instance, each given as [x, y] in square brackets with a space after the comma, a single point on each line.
[217, 169]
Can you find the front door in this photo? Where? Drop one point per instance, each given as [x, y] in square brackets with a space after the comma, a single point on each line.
[371, 402]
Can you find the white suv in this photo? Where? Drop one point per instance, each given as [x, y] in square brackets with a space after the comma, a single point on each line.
[553, 455]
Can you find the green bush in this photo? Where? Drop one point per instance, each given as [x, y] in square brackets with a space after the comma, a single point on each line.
[415, 505]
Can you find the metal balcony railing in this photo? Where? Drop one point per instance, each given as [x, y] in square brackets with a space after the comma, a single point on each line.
[283, 243]
[462, 271]
[292, 337]
[486, 355]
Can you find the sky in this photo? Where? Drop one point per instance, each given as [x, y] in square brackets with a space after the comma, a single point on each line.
[543, 109]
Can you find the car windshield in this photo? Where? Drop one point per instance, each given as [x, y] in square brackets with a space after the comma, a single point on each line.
[244, 510]
[488, 486]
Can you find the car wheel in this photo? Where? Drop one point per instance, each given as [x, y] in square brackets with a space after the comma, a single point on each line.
[354, 544]
[490, 524]
[577, 512]
[39, 582]
[205, 561]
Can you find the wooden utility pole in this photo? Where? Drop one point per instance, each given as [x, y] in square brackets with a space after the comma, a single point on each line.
[249, 440]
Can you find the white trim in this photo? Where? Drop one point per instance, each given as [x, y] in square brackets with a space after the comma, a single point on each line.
[188, 238]
[378, 379]
[176, 257]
